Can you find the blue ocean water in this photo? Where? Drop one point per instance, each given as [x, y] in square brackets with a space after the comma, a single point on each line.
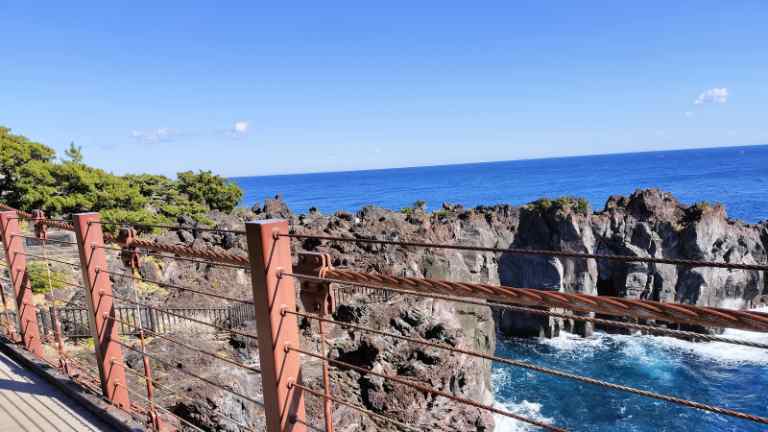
[735, 176]
[714, 373]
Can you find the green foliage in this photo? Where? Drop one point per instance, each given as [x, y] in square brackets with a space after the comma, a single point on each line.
[210, 189]
[18, 155]
[39, 278]
[442, 213]
[418, 205]
[31, 178]
[74, 153]
[90, 344]
[544, 205]
[703, 205]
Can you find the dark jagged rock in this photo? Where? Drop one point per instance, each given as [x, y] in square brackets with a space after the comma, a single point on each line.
[276, 208]
[349, 313]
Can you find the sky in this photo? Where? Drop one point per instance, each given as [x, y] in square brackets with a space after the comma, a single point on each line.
[249, 88]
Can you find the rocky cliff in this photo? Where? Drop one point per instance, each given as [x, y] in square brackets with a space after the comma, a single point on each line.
[647, 223]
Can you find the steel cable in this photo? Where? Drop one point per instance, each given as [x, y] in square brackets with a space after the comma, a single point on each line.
[430, 390]
[45, 240]
[642, 309]
[144, 398]
[174, 393]
[353, 406]
[187, 346]
[198, 261]
[77, 266]
[548, 371]
[173, 227]
[222, 329]
[172, 286]
[188, 251]
[619, 324]
[180, 368]
[539, 252]
[158, 255]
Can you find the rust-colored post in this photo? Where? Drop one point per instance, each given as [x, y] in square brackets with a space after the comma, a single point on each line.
[154, 419]
[327, 403]
[317, 298]
[63, 363]
[90, 240]
[270, 255]
[17, 266]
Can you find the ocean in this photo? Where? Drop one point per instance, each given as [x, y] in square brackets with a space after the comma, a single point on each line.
[731, 376]
[734, 176]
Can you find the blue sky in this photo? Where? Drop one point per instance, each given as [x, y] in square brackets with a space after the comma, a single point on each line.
[250, 89]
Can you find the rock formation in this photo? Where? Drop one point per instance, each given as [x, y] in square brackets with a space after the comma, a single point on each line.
[648, 223]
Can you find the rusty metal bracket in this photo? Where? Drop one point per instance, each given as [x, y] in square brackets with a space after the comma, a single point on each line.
[38, 220]
[129, 253]
[316, 296]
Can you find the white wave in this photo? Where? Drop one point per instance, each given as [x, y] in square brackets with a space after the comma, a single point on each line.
[501, 378]
[724, 352]
[531, 410]
[652, 349]
[569, 342]
[734, 303]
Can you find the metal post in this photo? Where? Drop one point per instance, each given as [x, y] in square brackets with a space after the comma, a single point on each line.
[270, 255]
[317, 297]
[90, 240]
[152, 320]
[154, 419]
[17, 266]
[63, 363]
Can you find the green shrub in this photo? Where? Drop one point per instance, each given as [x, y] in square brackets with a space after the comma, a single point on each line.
[441, 213]
[544, 205]
[39, 278]
[209, 189]
[31, 178]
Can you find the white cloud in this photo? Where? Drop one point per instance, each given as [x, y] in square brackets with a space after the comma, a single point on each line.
[238, 129]
[154, 135]
[690, 114]
[714, 95]
[241, 127]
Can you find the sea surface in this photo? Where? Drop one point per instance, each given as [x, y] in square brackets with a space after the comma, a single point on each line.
[727, 375]
[734, 176]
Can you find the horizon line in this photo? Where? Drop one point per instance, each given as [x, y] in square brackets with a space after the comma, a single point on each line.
[439, 165]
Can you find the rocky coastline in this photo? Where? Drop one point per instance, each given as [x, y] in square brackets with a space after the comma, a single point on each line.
[648, 223]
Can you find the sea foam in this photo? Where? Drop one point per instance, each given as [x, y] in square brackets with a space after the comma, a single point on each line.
[531, 410]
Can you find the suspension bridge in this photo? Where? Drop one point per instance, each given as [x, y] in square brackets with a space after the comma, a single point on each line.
[132, 395]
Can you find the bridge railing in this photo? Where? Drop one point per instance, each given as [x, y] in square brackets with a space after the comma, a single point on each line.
[275, 268]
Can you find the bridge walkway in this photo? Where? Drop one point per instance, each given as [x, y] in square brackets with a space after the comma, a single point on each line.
[28, 403]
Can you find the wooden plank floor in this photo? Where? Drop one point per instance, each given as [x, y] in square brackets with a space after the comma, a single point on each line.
[29, 404]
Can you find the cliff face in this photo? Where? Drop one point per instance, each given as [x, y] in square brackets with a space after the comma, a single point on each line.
[464, 326]
[653, 223]
[647, 223]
